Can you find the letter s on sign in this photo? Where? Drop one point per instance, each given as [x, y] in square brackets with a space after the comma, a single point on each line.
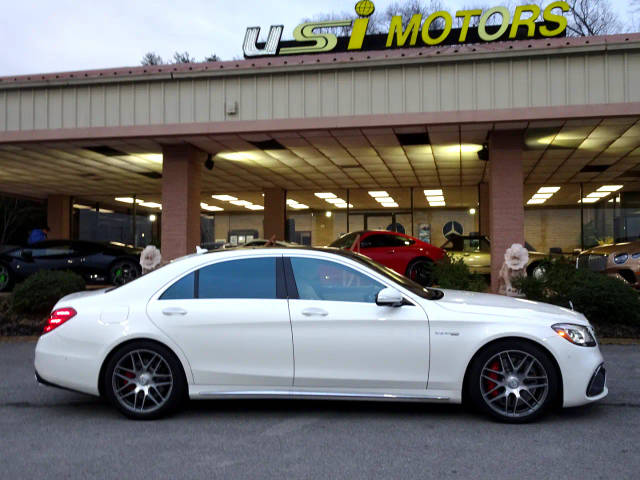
[323, 42]
[549, 16]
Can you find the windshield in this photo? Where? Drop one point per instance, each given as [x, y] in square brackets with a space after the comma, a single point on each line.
[413, 287]
[345, 241]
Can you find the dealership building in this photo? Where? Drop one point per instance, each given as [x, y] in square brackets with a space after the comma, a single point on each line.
[534, 140]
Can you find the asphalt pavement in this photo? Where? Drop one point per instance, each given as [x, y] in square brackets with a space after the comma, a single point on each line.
[50, 433]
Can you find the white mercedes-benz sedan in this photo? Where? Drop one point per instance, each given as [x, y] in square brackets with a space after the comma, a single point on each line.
[314, 323]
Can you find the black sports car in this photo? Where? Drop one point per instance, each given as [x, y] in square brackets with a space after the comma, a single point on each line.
[96, 262]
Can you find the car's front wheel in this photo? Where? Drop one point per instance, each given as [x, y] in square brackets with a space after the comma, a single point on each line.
[513, 381]
[6, 278]
[144, 380]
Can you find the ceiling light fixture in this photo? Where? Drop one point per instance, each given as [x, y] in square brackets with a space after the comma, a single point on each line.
[379, 194]
[548, 189]
[224, 198]
[433, 193]
[210, 208]
[254, 207]
[325, 195]
[610, 188]
[128, 200]
[151, 205]
[240, 203]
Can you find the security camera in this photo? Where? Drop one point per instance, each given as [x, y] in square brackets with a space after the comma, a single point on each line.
[208, 163]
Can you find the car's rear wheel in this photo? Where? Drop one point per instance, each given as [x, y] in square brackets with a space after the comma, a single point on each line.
[421, 271]
[123, 271]
[144, 380]
[513, 381]
[6, 278]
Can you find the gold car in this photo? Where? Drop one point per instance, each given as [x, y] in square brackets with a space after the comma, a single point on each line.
[475, 251]
[620, 260]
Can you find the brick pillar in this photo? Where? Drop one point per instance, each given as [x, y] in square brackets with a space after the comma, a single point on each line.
[181, 180]
[275, 213]
[506, 204]
[483, 209]
[59, 217]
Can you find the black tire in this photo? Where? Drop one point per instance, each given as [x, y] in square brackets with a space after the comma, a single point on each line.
[421, 270]
[522, 397]
[125, 393]
[123, 271]
[6, 278]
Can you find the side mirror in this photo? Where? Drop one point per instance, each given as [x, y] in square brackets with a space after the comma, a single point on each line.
[389, 297]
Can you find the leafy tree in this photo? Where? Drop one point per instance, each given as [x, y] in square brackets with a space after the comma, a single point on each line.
[183, 57]
[150, 58]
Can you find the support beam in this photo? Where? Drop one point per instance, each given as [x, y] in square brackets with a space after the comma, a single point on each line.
[484, 209]
[506, 210]
[59, 217]
[181, 181]
[275, 213]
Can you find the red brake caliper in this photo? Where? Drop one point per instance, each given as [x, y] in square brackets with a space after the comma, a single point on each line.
[494, 366]
[130, 375]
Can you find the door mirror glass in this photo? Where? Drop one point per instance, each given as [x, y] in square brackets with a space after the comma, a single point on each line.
[389, 297]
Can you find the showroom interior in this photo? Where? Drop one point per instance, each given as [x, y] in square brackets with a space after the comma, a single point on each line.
[531, 140]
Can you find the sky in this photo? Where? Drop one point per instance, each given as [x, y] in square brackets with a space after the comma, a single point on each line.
[42, 36]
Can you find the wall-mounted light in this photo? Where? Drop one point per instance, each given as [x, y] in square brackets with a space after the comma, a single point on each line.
[328, 214]
[472, 211]
[152, 218]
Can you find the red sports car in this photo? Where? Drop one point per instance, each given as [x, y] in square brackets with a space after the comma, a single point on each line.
[402, 253]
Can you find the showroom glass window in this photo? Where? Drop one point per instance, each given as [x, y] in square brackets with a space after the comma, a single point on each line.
[330, 281]
[246, 278]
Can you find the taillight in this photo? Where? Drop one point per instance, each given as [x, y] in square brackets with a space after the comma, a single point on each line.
[58, 317]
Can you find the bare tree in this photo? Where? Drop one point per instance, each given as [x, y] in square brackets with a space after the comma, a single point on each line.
[183, 57]
[332, 17]
[212, 58]
[150, 58]
[592, 17]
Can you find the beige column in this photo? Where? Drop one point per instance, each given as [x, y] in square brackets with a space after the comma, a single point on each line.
[483, 209]
[181, 180]
[275, 213]
[59, 217]
[506, 210]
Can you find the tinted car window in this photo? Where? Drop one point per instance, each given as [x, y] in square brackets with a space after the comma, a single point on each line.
[51, 251]
[183, 289]
[324, 280]
[385, 240]
[247, 278]
[345, 241]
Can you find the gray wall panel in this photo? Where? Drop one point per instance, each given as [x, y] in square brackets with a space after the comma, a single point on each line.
[517, 81]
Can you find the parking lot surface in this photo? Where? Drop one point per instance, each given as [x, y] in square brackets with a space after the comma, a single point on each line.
[50, 433]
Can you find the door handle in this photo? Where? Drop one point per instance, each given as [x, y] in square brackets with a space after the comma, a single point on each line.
[314, 312]
[391, 251]
[174, 311]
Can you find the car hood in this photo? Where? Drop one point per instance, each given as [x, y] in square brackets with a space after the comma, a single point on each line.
[500, 305]
[627, 247]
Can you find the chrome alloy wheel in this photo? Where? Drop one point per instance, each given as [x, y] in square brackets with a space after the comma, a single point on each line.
[142, 381]
[514, 383]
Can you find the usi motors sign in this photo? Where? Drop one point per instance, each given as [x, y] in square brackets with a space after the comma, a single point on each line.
[471, 26]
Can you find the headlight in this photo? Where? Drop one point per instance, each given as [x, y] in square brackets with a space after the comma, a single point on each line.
[635, 256]
[576, 334]
[621, 258]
